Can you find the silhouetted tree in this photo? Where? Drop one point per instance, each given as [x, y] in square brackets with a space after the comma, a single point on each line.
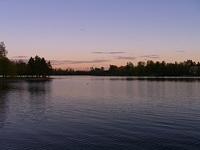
[5, 67]
[129, 69]
[3, 51]
[5, 64]
[21, 68]
[38, 67]
[31, 67]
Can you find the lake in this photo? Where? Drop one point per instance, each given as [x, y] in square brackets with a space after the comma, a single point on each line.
[100, 113]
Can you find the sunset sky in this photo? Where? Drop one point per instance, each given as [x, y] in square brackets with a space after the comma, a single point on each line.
[85, 33]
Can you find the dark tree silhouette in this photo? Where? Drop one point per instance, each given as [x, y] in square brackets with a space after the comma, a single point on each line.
[21, 68]
[3, 51]
[38, 67]
[5, 67]
[5, 63]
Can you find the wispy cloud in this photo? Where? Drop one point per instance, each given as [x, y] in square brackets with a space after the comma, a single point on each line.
[126, 57]
[82, 29]
[111, 53]
[62, 62]
[180, 51]
[19, 57]
[150, 56]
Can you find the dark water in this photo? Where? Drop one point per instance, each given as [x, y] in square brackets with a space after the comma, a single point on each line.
[100, 113]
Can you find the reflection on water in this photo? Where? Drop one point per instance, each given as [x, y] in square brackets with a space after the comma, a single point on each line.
[4, 88]
[38, 95]
[37, 88]
[100, 113]
[10, 91]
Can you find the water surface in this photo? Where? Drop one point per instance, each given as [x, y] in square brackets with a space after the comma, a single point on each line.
[95, 113]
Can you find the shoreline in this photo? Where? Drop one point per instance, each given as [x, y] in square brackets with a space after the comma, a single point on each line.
[25, 78]
[151, 78]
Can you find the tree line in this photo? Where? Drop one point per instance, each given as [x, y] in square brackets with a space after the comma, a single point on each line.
[35, 67]
[149, 68]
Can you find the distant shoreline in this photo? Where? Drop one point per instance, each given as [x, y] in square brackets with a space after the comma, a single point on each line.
[150, 78]
[139, 78]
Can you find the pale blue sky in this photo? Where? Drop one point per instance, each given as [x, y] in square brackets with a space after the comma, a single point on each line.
[74, 30]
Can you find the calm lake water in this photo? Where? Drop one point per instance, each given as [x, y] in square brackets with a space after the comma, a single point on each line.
[100, 113]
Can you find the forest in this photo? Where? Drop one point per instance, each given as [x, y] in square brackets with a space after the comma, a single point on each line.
[39, 67]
